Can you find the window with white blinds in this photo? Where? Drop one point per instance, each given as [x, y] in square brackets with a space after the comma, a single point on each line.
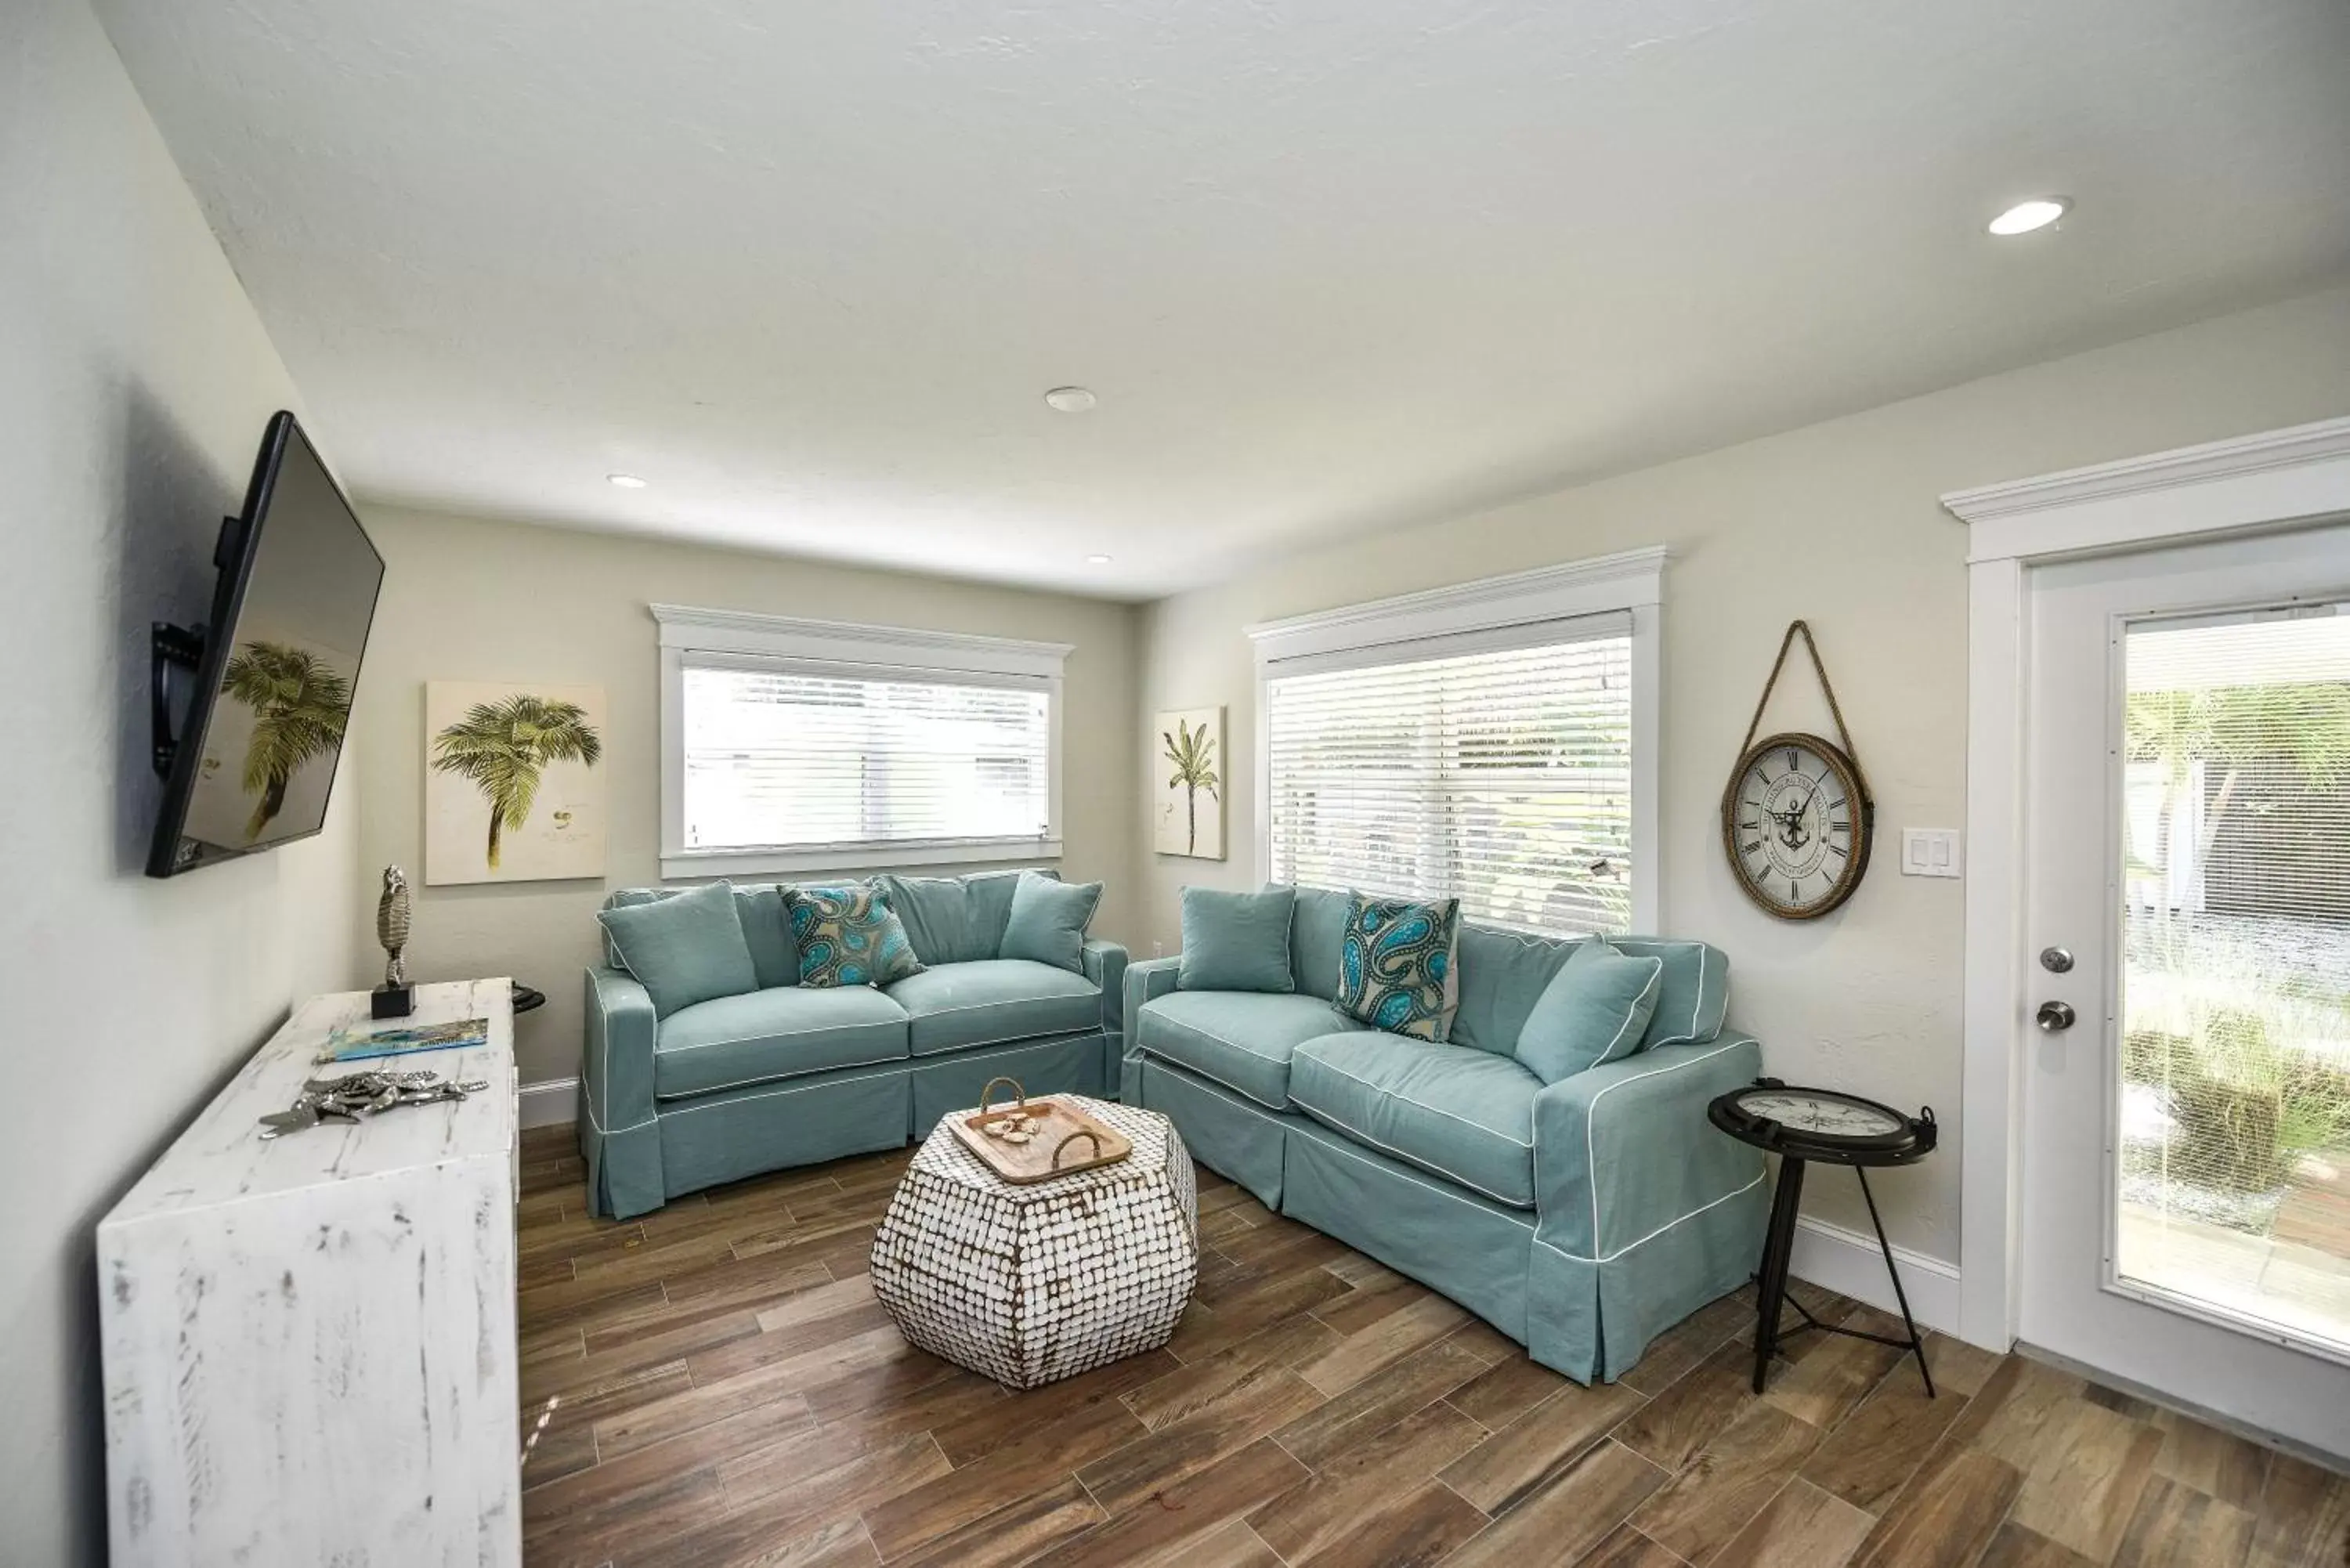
[787, 757]
[1496, 767]
[786, 761]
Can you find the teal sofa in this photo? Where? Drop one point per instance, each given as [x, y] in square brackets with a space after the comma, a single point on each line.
[791, 1075]
[1582, 1219]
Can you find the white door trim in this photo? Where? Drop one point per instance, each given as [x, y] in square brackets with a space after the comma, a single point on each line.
[2273, 479]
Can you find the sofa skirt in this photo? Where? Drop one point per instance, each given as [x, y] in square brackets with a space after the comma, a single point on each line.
[1594, 1317]
[722, 1137]
[1471, 1249]
[1237, 1138]
[1064, 1064]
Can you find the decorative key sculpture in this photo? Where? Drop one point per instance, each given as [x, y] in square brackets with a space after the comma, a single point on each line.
[358, 1094]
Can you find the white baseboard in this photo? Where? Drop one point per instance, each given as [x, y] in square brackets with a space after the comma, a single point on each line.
[1848, 1263]
[551, 1103]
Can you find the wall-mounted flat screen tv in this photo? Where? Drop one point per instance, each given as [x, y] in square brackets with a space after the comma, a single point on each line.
[252, 764]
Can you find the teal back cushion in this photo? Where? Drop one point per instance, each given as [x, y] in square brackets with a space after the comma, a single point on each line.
[953, 920]
[1048, 921]
[848, 935]
[1236, 941]
[1594, 1011]
[1695, 998]
[1317, 933]
[1503, 975]
[766, 927]
[683, 949]
[1398, 965]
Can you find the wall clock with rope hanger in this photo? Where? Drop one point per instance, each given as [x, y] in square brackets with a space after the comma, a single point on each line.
[1797, 820]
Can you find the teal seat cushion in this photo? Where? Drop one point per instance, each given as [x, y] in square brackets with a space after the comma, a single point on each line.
[1241, 1039]
[1048, 921]
[783, 1032]
[953, 920]
[1236, 941]
[1463, 1114]
[1594, 1011]
[684, 950]
[987, 1001]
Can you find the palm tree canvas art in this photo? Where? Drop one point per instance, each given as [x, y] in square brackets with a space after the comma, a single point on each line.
[513, 788]
[1188, 818]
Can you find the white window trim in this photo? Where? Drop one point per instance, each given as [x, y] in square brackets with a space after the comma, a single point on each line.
[847, 648]
[1631, 581]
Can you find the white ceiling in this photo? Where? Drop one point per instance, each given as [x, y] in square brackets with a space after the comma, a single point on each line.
[1331, 265]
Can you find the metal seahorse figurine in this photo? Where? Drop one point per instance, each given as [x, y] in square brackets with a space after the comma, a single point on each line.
[395, 998]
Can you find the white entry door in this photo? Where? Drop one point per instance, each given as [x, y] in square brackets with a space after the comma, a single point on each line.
[2186, 1166]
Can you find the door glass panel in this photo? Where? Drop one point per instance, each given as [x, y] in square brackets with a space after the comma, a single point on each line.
[2233, 1178]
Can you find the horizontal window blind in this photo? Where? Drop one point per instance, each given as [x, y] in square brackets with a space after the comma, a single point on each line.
[1500, 775]
[777, 755]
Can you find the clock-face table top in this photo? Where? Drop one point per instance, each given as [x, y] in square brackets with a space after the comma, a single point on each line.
[1816, 1114]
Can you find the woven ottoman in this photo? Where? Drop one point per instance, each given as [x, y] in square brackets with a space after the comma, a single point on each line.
[1030, 1283]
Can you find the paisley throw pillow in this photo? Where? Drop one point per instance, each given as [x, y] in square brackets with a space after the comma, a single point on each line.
[1397, 965]
[849, 935]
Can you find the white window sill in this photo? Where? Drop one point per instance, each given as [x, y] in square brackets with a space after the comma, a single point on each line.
[849, 859]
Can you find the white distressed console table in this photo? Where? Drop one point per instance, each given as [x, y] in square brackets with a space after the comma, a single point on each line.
[309, 1341]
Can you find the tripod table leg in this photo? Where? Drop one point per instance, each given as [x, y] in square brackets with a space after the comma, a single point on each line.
[1917, 1344]
[1771, 1288]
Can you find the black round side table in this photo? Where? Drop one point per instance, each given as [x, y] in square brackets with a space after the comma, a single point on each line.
[1801, 1125]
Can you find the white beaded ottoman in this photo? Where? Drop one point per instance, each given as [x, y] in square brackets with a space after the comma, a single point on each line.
[1029, 1283]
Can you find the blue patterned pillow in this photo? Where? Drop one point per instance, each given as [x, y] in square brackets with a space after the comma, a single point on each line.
[849, 935]
[1396, 966]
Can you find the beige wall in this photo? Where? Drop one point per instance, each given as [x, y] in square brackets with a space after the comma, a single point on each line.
[467, 599]
[135, 382]
[1838, 523]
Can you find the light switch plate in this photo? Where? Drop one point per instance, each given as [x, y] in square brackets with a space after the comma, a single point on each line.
[1931, 852]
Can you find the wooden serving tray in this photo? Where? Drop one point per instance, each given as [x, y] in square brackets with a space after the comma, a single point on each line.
[1096, 1143]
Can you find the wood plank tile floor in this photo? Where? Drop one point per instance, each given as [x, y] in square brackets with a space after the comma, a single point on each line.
[714, 1384]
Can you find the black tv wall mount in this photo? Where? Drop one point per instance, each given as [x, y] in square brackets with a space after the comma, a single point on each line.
[170, 646]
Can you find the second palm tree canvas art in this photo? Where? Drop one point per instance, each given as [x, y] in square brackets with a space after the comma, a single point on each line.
[1190, 817]
[513, 791]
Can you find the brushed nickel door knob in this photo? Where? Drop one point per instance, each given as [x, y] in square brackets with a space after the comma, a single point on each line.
[2053, 1016]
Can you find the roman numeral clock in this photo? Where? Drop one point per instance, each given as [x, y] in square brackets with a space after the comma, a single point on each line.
[1797, 820]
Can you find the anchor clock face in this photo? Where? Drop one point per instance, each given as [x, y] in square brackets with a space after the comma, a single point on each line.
[1796, 825]
[1810, 1112]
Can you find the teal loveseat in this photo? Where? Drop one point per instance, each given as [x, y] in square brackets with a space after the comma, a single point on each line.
[791, 1075]
[1581, 1218]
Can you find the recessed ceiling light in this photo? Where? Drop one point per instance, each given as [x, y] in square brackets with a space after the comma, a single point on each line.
[624, 481]
[1096, 560]
[2025, 216]
[1070, 399]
